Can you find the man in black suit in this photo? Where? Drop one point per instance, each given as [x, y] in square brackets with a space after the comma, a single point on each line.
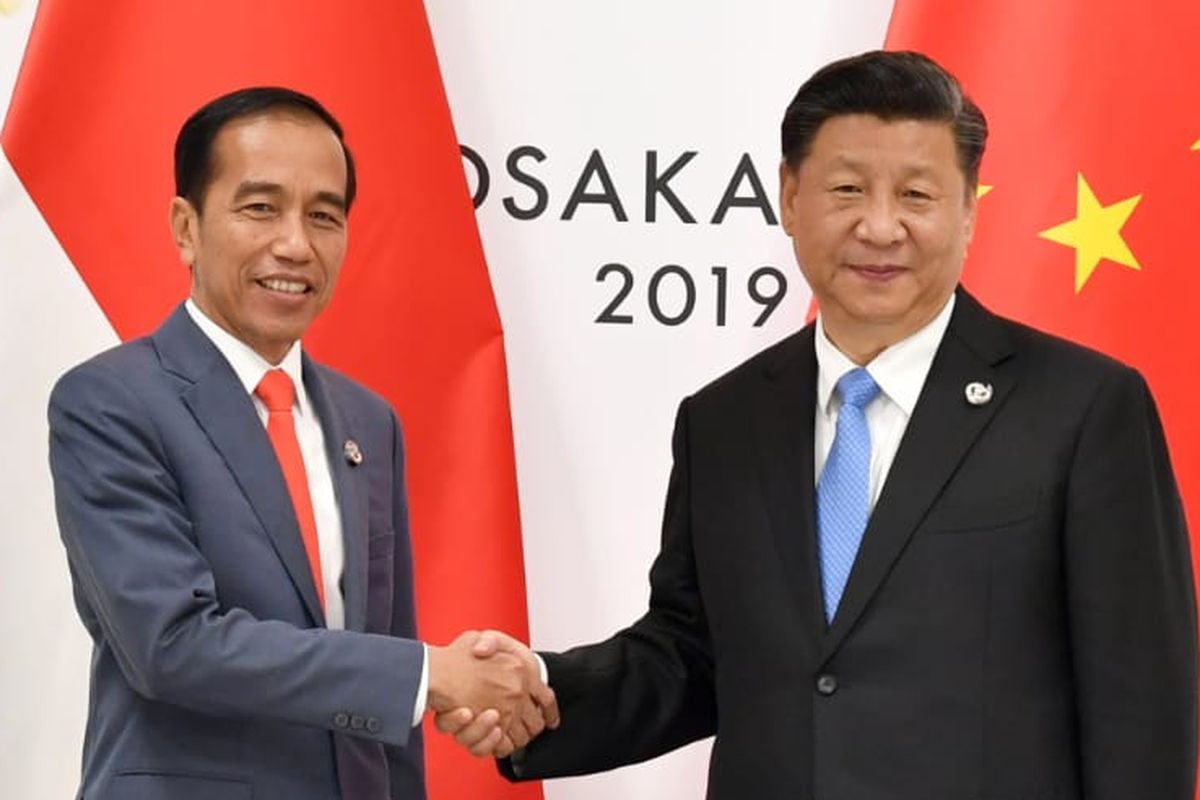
[914, 551]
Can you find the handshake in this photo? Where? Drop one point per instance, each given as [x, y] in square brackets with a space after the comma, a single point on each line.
[487, 691]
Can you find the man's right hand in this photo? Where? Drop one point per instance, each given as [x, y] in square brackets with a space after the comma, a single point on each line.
[487, 691]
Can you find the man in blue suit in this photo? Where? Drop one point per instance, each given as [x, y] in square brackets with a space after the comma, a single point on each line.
[234, 513]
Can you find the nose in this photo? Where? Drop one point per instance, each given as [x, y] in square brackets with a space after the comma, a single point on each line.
[292, 241]
[881, 224]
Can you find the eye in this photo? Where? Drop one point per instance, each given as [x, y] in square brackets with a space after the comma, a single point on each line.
[326, 218]
[917, 194]
[847, 189]
[258, 209]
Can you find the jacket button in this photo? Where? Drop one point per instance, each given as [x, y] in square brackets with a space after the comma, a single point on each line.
[826, 685]
[374, 725]
[357, 723]
[341, 719]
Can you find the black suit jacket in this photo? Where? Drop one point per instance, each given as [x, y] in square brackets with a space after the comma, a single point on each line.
[1019, 623]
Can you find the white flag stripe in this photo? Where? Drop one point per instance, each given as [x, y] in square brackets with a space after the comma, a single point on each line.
[48, 323]
[593, 404]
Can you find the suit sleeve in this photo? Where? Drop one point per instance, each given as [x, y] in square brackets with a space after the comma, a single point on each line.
[1130, 603]
[649, 688]
[407, 764]
[146, 590]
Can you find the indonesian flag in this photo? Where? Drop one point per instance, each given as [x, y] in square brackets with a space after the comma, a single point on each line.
[1088, 188]
[101, 95]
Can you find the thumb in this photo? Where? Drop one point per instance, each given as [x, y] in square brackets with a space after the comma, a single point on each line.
[489, 643]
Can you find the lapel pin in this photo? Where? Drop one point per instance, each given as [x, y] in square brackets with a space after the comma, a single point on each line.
[352, 452]
[979, 393]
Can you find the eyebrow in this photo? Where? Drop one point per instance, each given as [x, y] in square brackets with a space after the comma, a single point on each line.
[256, 187]
[246, 188]
[333, 198]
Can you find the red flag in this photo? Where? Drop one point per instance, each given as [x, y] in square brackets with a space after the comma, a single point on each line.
[101, 94]
[1092, 164]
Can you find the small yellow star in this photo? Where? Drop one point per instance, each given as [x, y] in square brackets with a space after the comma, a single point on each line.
[9, 6]
[1095, 233]
[982, 189]
[1196, 145]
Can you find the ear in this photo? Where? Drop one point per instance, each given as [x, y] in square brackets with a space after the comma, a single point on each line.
[788, 184]
[185, 229]
[972, 205]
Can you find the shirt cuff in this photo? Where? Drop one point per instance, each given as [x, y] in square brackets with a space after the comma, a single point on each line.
[542, 671]
[421, 700]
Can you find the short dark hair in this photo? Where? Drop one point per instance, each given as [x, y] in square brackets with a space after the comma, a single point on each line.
[193, 146]
[891, 85]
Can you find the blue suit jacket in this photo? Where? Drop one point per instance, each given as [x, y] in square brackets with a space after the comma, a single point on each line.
[213, 675]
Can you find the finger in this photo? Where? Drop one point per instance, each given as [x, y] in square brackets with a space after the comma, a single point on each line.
[531, 717]
[547, 701]
[505, 748]
[479, 729]
[489, 745]
[453, 721]
[518, 734]
[488, 643]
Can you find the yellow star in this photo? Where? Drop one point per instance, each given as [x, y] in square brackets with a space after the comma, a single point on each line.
[9, 6]
[1095, 233]
[1196, 145]
[981, 190]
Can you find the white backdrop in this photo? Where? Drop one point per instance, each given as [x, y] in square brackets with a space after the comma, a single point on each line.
[573, 94]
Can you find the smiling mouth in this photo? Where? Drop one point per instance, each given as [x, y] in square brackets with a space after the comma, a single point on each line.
[284, 286]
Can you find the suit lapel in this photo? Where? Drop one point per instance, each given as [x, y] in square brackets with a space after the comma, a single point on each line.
[783, 423]
[942, 429]
[221, 407]
[349, 483]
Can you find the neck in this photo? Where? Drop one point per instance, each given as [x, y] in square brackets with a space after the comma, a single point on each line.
[862, 341]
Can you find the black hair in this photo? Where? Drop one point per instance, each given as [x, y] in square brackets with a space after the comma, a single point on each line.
[193, 146]
[890, 85]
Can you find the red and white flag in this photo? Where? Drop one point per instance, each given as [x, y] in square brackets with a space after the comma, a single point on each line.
[1089, 181]
[102, 92]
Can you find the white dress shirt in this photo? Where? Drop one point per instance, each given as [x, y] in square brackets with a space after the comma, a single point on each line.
[900, 371]
[250, 368]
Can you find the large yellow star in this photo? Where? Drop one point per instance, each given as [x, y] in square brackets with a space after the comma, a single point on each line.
[1095, 233]
[1196, 145]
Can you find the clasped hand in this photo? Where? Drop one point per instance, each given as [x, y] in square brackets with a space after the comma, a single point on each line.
[486, 691]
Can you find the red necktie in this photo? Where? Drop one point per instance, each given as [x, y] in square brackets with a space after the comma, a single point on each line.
[277, 393]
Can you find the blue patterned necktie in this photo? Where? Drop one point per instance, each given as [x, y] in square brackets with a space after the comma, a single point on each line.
[843, 490]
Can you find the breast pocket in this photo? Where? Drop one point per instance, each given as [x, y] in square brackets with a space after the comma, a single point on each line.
[961, 515]
[153, 785]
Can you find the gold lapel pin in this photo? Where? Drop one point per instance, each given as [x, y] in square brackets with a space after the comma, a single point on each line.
[978, 393]
[352, 452]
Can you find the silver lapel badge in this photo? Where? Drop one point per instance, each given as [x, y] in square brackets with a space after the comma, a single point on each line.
[978, 393]
[352, 452]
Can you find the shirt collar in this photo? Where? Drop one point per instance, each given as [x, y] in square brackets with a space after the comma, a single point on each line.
[248, 365]
[900, 370]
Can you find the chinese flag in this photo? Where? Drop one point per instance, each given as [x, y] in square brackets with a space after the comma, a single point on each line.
[101, 95]
[1089, 181]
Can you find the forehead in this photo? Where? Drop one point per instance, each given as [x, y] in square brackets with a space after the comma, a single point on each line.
[280, 144]
[867, 141]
